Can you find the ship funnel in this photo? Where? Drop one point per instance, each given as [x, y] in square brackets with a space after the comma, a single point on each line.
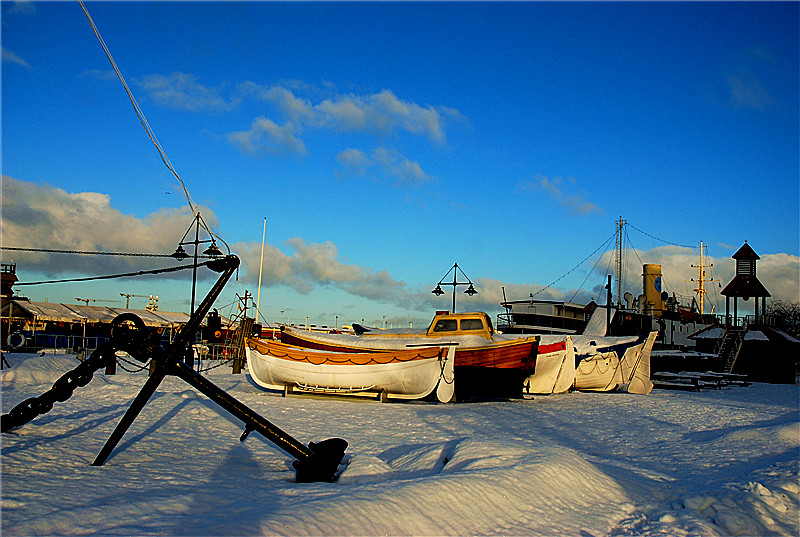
[653, 291]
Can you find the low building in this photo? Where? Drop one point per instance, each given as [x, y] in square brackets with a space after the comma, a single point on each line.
[28, 326]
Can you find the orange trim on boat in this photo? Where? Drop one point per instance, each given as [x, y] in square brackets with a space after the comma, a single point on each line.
[288, 352]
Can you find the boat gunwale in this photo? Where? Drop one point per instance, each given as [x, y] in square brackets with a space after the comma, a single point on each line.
[323, 357]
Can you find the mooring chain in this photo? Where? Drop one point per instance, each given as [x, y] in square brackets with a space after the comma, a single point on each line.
[137, 340]
[62, 389]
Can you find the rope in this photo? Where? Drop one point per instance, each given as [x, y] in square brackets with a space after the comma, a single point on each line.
[136, 108]
[443, 362]
[641, 263]
[573, 268]
[139, 368]
[110, 276]
[146, 125]
[656, 238]
[222, 362]
[588, 274]
[340, 361]
[83, 252]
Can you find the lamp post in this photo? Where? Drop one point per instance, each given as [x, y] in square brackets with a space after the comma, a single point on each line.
[211, 251]
[454, 269]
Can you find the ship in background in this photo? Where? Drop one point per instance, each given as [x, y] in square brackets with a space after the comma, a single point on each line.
[653, 310]
[689, 339]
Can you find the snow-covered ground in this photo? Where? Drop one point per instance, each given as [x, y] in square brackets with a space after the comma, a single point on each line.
[581, 464]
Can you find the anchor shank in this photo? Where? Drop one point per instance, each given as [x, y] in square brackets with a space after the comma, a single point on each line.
[229, 265]
[252, 419]
[137, 405]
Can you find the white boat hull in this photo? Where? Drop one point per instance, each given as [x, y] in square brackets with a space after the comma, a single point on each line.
[606, 371]
[555, 369]
[414, 379]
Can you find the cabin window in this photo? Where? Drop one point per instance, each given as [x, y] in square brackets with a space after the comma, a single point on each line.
[471, 324]
[446, 325]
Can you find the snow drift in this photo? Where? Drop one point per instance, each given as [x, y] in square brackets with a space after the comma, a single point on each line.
[722, 462]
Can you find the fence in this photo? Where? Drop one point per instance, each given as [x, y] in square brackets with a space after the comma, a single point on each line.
[33, 342]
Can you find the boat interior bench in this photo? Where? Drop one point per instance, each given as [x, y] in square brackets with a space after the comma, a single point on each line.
[365, 393]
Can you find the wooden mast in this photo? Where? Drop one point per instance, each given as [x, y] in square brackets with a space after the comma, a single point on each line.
[701, 290]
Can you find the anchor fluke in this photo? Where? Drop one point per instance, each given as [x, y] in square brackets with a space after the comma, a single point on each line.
[323, 462]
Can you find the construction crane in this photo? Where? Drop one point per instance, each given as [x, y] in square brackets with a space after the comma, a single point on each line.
[87, 300]
[152, 305]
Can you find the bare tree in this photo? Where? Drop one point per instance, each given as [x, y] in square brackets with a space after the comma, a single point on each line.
[786, 316]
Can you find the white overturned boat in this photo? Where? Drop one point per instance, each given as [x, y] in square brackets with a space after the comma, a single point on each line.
[592, 363]
[555, 368]
[608, 363]
[412, 373]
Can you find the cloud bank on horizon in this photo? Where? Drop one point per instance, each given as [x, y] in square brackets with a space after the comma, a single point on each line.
[51, 218]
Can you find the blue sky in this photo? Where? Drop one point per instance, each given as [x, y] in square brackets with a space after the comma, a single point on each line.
[385, 141]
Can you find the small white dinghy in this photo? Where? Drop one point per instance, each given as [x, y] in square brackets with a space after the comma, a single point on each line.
[555, 369]
[401, 374]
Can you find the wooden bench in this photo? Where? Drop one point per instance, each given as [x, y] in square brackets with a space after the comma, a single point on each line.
[690, 380]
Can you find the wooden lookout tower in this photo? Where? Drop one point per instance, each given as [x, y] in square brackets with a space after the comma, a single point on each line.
[745, 284]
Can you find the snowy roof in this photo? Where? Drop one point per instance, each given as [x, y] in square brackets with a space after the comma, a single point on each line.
[755, 335]
[76, 313]
[711, 332]
[787, 336]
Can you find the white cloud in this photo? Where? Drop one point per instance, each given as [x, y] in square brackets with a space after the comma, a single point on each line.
[747, 91]
[300, 106]
[295, 108]
[384, 162]
[317, 264]
[381, 113]
[354, 160]
[22, 8]
[778, 272]
[745, 75]
[46, 217]
[565, 193]
[265, 136]
[11, 57]
[183, 91]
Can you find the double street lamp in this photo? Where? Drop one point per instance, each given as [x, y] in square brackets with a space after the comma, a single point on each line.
[455, 269]
[212, 251]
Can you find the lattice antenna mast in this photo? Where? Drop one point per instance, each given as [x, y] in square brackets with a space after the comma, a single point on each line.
[619, 262]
